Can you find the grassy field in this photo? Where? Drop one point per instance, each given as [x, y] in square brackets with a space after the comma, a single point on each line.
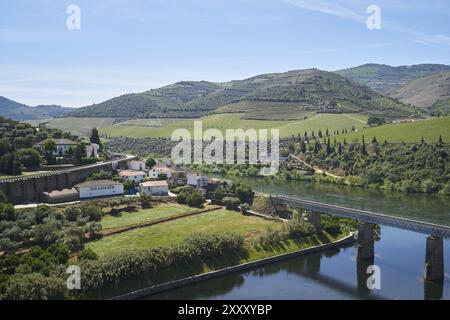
[407, 132]
[79, 126]
[145, 215]
[234, 121]
[176, 231]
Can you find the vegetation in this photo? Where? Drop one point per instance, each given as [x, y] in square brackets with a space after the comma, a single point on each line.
[174, 232]
[308, 89]
[18, 111]
[386, 79]
[421, 167]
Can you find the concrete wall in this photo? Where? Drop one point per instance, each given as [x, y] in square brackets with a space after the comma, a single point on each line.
[28, 188]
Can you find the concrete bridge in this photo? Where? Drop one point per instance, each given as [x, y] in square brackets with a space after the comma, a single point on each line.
[28, 188]
[434, 258]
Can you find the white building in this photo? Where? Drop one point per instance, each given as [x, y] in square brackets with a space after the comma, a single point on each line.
[136, 165]
[92, 150]
[62, 146]
[136, 176]
[155, 172]
[154, 188]
[196, 180]
[99, 188]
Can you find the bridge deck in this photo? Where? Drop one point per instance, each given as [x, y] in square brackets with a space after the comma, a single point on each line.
[367, 216]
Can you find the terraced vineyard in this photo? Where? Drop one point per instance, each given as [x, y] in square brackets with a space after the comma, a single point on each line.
[234, 121]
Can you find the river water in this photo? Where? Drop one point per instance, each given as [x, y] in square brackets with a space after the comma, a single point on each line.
[336, 274]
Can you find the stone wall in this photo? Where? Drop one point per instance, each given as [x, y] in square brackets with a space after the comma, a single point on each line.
[28, 188]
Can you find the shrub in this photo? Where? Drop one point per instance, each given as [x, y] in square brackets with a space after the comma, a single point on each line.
[231, 203]
[72, 213]
[87, 254]
[195, 199]
[145, 200]
[34, 286]
[93, 212]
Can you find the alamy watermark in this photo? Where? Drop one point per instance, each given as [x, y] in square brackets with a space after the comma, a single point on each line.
[374, 280]
[74, 280]
[231, 149]
[373, 22]
[73, 22]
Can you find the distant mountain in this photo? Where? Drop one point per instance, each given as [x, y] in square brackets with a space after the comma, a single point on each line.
[311, 90]
[386, 79]
[19, 111]
[432, 93]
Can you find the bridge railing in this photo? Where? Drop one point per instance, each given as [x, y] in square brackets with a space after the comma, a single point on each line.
[367, 216]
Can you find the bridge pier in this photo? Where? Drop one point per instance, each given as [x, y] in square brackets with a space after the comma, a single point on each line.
[434, 259]
[314, 219]
[365, 245]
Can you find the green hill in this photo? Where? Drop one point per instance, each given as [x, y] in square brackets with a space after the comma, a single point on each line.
[303, 90]
[430, 130]
[19, 111]
[432, 93]
[386, 79]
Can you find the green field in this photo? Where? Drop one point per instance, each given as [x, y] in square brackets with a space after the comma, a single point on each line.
[234, 121]
[176, 231]
[79, 126]
[405, 132]
[145, 215]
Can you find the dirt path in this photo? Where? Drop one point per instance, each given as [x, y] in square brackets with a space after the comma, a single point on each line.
[316, 170]
[111, 231]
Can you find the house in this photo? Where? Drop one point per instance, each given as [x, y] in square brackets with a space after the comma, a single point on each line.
[60, 196]
[62, 146]
[99, 188]
[154, 173]
[130, 175]
[92, 150]
[196, 180]
[178, 177]
[136, 165]
[154, 188]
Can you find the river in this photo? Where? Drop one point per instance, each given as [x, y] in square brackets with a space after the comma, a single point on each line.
[335, 274]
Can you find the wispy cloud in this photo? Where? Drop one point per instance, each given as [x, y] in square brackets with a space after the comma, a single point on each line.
[327, 7]
[345, 9]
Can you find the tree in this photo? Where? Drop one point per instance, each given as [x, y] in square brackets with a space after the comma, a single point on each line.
[363, 150]
[94, 138]
[375, 121]
[244, 193]
[9, 164]
[195, 199]
[50, 146]
[93, 212]
[29, 158]
[5, 147]
[150, 163]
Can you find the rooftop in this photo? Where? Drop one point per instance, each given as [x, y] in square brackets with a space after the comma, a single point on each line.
[158, 183]
[131, 173]
[59, 141]
[97, 183]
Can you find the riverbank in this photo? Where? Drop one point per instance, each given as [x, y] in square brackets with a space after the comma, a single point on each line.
[229, 270]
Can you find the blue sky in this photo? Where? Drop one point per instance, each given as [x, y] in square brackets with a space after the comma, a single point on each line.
[135, 45]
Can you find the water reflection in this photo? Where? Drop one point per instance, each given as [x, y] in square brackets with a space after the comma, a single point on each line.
[332, 274]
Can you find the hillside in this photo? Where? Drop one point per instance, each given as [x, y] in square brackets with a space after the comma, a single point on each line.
[386, 79]
[300, 90]
[18, 111]
[154, 103]
[430, 130]
[431, 93]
